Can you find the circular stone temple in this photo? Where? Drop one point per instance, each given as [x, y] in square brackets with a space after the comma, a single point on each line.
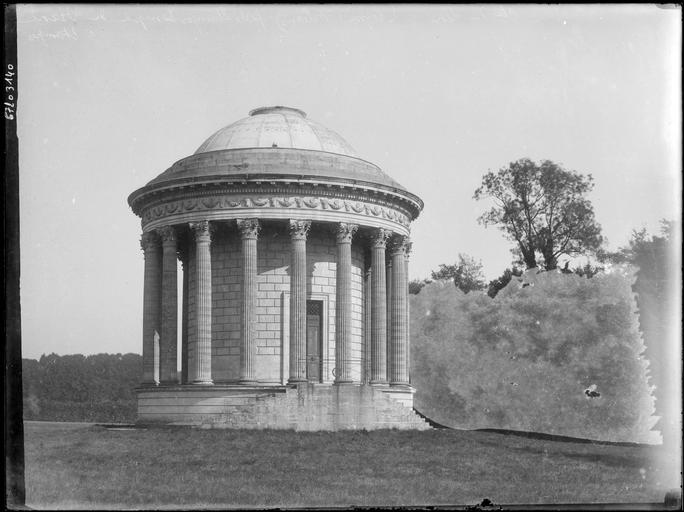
[294, 281]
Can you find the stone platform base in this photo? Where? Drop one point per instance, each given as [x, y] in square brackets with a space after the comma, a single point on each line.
[307, 407]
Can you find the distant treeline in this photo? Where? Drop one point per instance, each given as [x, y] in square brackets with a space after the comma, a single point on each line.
[81, 388]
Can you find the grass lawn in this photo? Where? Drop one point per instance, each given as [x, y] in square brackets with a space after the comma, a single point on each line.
[88, 466]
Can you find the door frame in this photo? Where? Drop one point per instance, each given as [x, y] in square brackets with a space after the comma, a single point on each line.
[326, 364]
[320, 340]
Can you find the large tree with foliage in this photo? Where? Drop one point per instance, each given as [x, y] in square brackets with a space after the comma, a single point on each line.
[466, 274]
[543, 209]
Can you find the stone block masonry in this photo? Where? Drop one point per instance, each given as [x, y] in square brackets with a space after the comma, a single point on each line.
[272, 283]
[304, 407]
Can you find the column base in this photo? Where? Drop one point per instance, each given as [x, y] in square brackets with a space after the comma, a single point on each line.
[297, 381]
[400, 384]
[378, 383]
[343, 382]
[248, 382]
[203, 382]
[149, 384]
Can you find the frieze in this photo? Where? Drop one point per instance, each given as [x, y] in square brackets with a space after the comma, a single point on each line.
[261, 201]
[306, 202]
[209, 202]
[283, 202]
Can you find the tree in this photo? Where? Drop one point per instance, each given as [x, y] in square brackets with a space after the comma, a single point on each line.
[466, 273]
[500, 282]
[542, 208]
[588, 270]
[416, 285]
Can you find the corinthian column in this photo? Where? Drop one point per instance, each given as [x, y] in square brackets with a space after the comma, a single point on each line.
[343, 303]
[388, 300]
[398, 346]
[409, 248]
[249, 233]
[299, 230]
[183, 256]
[168, 370]
[202, 359]
[366, 324]
[149, 242]
[378, 308]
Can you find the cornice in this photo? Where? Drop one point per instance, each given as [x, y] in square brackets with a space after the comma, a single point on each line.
[238, 205]
[198, 190]
[143, 199]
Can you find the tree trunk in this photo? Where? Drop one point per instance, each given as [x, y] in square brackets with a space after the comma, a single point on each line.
[528, 257]
[550, 261]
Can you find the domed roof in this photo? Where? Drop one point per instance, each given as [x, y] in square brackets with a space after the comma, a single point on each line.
[282, 127]
[278, 151]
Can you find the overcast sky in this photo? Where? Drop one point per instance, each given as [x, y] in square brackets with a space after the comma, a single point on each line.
[111, 96]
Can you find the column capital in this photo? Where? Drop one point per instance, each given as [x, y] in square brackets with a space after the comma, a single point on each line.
[149, 240]
[345, 232]
[399, 244]
[379, 238]
[168, 234]
[202, 230]
[299, 229]
[183, 252]
[249, 228]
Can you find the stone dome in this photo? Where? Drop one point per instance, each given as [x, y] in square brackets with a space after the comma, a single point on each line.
[276, 163]
[281, 127]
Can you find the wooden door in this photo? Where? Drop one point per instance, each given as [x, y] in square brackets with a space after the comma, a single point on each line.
[314, 310]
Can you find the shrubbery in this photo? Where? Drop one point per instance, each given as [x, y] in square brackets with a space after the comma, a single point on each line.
[524, 359]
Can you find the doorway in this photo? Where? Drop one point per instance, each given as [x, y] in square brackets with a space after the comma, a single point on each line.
[314, 337]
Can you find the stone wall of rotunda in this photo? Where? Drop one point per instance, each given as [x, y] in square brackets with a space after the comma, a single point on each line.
[272, 302]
